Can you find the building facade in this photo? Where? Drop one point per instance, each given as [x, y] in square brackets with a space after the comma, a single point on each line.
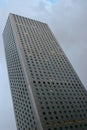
[46, 91]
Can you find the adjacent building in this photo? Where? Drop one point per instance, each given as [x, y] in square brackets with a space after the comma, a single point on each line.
[46, 91]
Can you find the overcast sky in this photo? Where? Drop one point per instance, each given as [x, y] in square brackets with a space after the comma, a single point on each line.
[67, 20]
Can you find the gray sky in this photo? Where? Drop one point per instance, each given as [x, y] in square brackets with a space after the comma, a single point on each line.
[67, 20]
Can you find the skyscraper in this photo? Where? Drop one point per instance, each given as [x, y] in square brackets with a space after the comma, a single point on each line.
[47, 93]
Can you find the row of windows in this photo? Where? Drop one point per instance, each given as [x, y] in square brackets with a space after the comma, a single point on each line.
[58, 93]
[22, 104]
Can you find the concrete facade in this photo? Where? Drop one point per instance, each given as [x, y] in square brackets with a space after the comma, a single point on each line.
[46, 91]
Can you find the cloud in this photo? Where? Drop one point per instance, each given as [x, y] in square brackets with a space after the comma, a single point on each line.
[68, 21]
[2, 24]
[69, 24]
[52, 1]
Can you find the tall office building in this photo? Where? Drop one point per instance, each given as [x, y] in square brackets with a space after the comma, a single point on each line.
[47, 93]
